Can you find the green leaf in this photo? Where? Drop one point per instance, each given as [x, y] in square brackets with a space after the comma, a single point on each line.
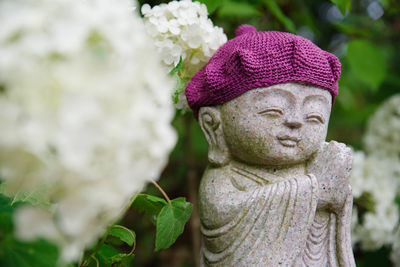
[32, 254]
[212, 5]
[108, 255]
[343, 5]
[180, 87]
[149, 205]
[21, 254]
[16, 253]
[35, 197]
[180, 83]
[237, 9]
[367, 62]
[277, 12]
[105, 254]
[6, 215]
[122, 258]
[171, 222]
[177, 67]
[125, 234]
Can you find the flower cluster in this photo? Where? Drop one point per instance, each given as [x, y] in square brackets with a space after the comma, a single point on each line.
[376, 177]
[183, 30]
[374, 183]
[383, 132]
[84, 122]
[383, 139]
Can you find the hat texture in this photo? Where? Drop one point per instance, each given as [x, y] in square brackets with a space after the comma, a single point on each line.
[260, 59]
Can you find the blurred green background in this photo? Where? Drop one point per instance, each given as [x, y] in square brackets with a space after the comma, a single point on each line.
[364, 34]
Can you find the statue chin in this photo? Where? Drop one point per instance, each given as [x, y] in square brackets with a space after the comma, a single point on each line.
[292, 156]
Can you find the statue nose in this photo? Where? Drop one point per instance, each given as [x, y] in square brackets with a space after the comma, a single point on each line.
[293, 123]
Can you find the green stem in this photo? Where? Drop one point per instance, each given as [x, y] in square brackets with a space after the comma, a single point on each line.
[97, 261]
[131, 233]
[98, 246]
[162, 191]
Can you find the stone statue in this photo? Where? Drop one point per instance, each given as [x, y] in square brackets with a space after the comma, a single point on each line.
[275, 193]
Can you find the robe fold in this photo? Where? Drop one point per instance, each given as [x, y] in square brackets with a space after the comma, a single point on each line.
[253, 219]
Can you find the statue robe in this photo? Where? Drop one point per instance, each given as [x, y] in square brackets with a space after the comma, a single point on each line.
[250, 218]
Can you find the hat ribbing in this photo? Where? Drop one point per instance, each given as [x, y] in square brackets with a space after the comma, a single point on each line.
[260, 59]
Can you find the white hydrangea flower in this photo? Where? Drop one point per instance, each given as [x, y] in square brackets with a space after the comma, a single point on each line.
[374, 188]
[183, 29]
[383, 131]
[85, 112]
[395, 253]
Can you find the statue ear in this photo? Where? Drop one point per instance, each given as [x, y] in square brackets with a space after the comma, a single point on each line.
[210, 123]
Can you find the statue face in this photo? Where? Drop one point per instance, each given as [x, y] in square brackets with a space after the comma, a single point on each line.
[279, 125]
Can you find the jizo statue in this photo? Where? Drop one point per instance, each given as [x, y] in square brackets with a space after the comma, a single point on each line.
[275, 192]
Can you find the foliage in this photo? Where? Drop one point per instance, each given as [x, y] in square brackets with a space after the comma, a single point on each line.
[109, 255]
[123, 233]
[149, 205]
[368, 50]
[367, 62]
[343, 5]
[170, 222]
[169, 217]
[21, 254]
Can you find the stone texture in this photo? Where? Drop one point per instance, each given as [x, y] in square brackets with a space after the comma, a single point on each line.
[275, 193]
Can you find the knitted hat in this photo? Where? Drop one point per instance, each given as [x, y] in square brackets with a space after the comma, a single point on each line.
[260, 59]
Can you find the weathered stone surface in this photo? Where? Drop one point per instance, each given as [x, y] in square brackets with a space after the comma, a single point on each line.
[275, 193]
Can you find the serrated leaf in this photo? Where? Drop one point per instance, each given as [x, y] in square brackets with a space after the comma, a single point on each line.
[126, 235]
[149, 205]
[35, 197]
[367, 62]
[343, 5]
[171, 222]
[278, 14]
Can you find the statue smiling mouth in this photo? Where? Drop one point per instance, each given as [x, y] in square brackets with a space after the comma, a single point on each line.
[288, 141]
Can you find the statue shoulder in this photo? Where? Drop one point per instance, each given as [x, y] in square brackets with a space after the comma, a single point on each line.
[216, 182]
[219, 199]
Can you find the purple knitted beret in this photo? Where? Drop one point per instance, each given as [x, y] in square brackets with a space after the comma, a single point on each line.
[260, 59]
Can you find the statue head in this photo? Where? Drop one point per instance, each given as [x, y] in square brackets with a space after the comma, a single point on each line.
[282, 124]
[265, 98]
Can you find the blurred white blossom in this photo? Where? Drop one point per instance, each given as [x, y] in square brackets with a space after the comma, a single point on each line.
[85, 111]
[395, 254]
[383, 132]
[383, 139]
[182, 29]
[374, 184]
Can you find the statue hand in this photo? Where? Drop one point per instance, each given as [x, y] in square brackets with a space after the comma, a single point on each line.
[332, 166]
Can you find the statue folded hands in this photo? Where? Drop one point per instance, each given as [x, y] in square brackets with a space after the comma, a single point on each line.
[275, 193]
